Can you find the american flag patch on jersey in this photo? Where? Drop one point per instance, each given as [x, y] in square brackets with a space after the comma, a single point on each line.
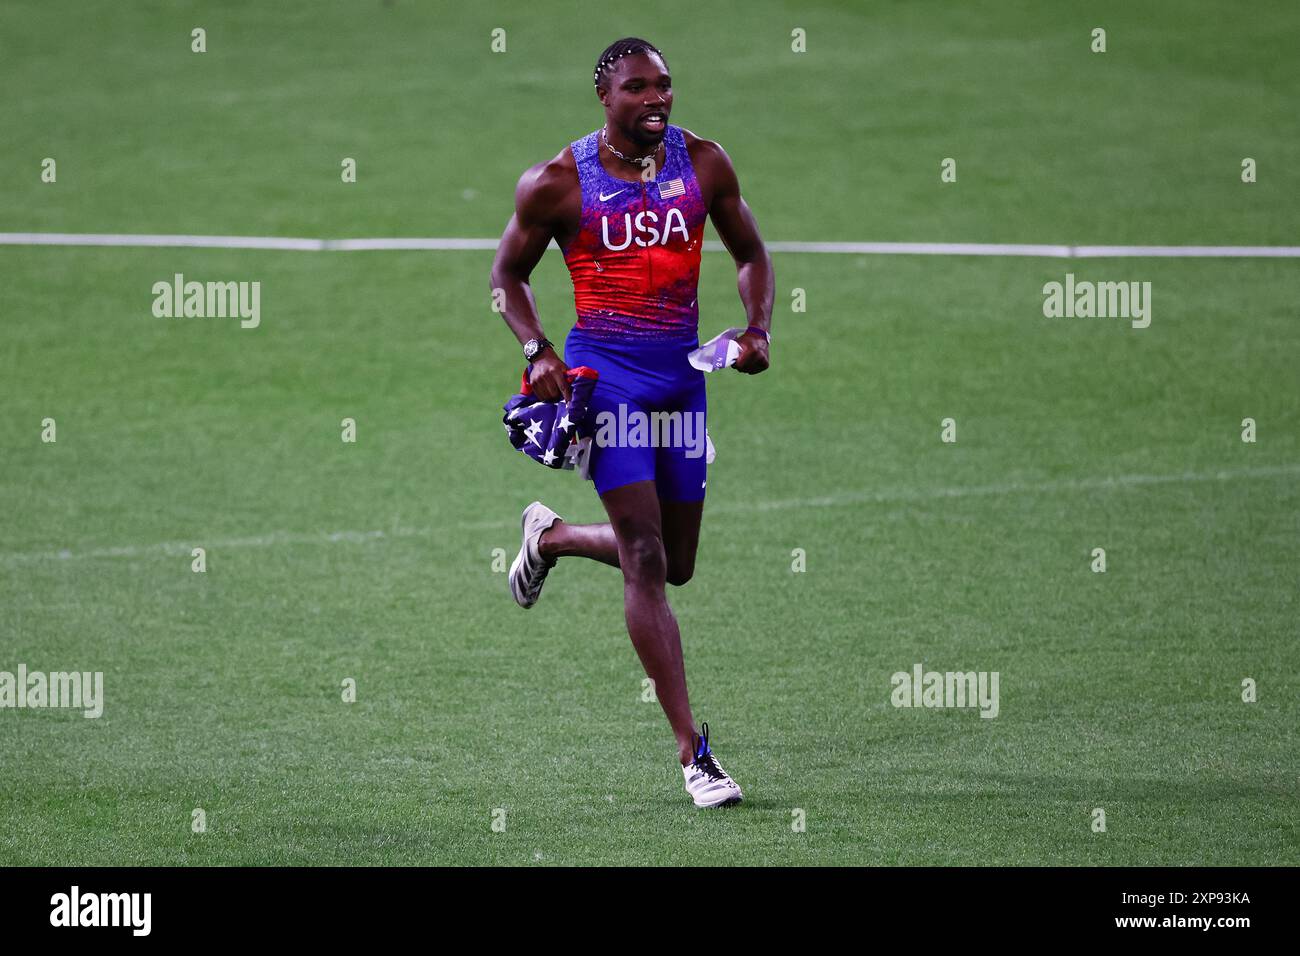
[674, 187]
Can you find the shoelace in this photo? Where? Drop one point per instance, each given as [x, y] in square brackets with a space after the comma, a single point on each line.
[710, 767]
[704, 759]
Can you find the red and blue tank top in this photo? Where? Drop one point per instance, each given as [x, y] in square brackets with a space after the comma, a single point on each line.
[635, 261]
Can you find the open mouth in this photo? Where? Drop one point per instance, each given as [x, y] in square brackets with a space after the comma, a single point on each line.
[654, 121]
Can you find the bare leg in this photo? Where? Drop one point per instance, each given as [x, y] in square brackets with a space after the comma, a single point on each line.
[634, 515]
[595, 541]
[681, 524]
[681, 536]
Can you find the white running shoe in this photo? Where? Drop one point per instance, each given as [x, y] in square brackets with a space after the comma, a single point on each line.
[706, 781]
[529, 570]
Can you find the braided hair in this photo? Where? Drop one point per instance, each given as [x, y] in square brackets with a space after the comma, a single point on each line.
[619, 49]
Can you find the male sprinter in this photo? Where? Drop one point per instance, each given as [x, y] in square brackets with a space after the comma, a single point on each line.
[626, 204]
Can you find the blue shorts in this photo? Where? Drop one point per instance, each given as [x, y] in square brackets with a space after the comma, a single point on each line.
[632, 442]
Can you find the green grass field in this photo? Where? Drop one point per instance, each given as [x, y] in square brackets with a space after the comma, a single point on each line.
[373, 561]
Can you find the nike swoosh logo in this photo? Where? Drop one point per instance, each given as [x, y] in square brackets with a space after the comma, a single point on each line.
[604, 198]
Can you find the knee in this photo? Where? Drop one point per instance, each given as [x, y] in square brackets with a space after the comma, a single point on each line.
[643, 557]
[679, 572]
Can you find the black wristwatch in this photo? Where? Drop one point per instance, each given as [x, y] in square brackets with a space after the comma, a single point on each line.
[534, 346]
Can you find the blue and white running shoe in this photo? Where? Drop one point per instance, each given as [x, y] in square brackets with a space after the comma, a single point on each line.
[706, 781]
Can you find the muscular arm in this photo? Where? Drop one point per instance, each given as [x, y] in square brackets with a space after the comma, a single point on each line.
[530, 230]
[754, 278]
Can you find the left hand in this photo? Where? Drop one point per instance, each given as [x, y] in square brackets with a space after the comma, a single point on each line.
[753, 354]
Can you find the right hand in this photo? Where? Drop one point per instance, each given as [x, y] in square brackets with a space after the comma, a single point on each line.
[548, 377]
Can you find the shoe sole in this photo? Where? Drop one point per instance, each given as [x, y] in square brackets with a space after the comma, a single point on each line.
[515, 592]
[729, 802]
[522, 556]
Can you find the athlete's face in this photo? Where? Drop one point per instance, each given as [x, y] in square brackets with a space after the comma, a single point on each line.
[638, 97]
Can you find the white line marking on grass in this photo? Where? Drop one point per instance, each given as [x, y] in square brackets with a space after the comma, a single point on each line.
[179, 549]
[1114, 482]
[1117, 482]
[361, 245]
[844, 248]
[1186, 252]
[195, 242]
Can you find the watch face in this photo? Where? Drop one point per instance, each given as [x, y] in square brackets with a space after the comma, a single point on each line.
[530, 349]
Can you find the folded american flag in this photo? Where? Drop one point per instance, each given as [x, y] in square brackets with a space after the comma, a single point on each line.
[543, 430]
